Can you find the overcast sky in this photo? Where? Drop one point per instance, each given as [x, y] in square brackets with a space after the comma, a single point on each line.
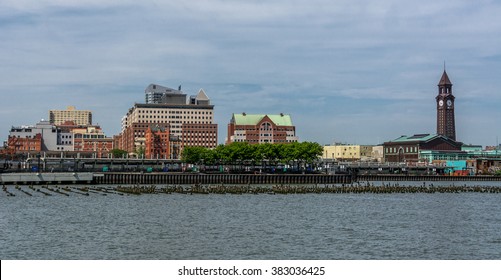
[360, 72]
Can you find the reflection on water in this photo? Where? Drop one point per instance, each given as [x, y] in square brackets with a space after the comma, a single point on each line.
[293, 226]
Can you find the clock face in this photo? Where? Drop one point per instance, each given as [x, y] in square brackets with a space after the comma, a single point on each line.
[449, 103]
[441, 103]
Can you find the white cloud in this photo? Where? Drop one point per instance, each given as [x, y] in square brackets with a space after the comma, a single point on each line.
[301, 57]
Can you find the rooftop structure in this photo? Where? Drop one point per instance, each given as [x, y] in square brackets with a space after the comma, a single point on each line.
[156, 94]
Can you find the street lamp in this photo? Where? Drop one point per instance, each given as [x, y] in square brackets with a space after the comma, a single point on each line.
[38, 166]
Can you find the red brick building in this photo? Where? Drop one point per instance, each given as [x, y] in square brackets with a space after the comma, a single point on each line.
[26, 144]
[89, 139]
[100, 147]
[256, 129]
[129, 139]
[157, 142]
[196, 134]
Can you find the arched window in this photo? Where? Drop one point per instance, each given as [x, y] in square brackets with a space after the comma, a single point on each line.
[266, 133]
[266, 126]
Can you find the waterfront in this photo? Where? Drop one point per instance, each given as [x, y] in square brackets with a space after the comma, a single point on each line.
[294, 226]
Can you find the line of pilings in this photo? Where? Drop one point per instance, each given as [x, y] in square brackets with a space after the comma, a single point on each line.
[362, 178]
[183, 178]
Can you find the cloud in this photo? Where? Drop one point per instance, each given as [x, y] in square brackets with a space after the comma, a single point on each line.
[357, 62]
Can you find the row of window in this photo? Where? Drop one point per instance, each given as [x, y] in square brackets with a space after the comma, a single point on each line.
[27, 149]
[407, 150]
[189, 112]
[199, 143]
[174, 117]
[276, 129]
[25, 137]
[90, 136]
[187, 122]
[264, 140]
[262, 135]
[199, 134]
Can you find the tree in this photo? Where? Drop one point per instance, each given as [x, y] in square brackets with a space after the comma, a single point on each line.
[193, 155]
[140, 151]
[239, 152]
[118, 153]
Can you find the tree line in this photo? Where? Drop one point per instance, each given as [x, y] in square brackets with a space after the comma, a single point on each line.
[306, 152]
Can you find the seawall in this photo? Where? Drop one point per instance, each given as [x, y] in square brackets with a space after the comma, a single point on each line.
[196, 178]
[47, 178]
[122, 178]
[362, 178]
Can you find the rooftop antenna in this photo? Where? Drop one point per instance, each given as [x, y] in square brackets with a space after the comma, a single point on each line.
[444, 65]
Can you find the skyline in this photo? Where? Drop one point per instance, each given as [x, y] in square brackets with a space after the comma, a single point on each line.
[352, 71]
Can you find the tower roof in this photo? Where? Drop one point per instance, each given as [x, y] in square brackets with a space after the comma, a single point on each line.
[254, 119]
[202, 95]
[444, 81]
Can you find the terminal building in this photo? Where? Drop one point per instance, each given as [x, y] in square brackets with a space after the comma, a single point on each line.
[422, 147]
[409, 148]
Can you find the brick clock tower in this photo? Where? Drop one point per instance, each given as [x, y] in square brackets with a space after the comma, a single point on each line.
[445, 108]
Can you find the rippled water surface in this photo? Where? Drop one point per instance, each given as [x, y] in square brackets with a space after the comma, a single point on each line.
[302, 226]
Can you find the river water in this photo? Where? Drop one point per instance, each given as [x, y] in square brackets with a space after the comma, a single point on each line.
[294, 226]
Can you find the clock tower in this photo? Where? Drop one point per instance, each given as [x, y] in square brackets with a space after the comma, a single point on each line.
[445, 108]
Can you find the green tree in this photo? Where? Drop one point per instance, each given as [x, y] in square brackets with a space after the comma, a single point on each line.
[140, 151]
[117, 153]
[238, 153]
[193, 155]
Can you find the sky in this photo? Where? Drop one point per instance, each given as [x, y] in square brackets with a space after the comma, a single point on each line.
[350, 71]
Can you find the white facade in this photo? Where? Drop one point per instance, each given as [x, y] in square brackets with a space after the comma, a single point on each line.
[53, 139]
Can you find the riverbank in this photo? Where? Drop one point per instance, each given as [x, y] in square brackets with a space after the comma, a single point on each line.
[114, 178]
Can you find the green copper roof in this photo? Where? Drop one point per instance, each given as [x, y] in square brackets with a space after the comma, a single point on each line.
[248, 119]
[415, 137]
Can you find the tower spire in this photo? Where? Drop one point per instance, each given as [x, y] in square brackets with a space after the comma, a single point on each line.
[444, 80]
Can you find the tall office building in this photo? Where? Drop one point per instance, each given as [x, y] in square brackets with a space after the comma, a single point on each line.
[189, 121]
[79, 117]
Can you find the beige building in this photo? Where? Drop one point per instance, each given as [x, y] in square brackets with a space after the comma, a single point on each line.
[378, 153]
[79, 117]
[347, 152]
[190, 122]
